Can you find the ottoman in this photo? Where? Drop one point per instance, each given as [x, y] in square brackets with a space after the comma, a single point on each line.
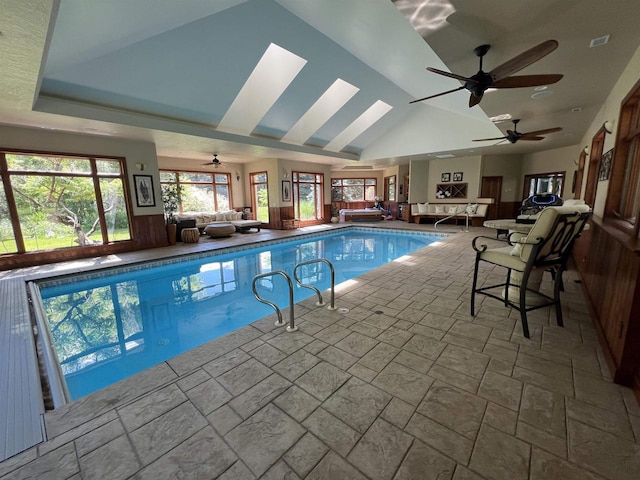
[190, 235]
[215, 230]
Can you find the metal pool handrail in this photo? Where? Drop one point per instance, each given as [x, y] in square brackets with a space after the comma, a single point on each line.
[333, 281]
[279, 322]
[435, 225]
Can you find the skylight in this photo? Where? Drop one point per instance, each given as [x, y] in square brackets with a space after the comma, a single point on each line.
[332, 100]
[374, 113]
[270, 78]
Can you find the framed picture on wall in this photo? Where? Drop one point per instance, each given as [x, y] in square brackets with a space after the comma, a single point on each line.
[605, 165]
[145, 196]
[445, 177]
[457, 176]
[286, 191]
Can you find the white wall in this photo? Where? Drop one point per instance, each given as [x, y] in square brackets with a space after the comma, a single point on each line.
[509, 167]
[470, 168]
[418, 181]
[134, 152]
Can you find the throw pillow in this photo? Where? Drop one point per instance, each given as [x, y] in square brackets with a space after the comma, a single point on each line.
[439, 209]
[423, 208]
[471, 209]
[453, 209]
[517, 248]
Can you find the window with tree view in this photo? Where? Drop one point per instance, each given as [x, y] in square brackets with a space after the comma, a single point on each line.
[200, 191]
[51, 202]
[307, 195]
[353, 189]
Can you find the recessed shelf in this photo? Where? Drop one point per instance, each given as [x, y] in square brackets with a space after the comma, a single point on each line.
[451, 190]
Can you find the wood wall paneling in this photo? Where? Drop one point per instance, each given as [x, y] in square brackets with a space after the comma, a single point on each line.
[148, 231]
[611, 278]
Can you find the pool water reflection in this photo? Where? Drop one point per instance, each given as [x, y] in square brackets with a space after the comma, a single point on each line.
[108, 328]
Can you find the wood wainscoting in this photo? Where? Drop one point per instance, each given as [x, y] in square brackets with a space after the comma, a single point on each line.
[148, 231]
[609, 265]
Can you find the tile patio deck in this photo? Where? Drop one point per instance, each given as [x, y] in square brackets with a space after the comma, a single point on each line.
[406, 385]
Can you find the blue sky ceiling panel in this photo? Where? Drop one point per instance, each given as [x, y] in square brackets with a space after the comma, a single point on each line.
[195, 71]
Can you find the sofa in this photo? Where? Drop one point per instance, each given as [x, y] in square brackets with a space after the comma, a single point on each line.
[476, 211]
[202, 219]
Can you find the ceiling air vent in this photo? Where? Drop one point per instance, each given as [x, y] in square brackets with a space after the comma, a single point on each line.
[358, 167]
[596, 42]
[445, 155]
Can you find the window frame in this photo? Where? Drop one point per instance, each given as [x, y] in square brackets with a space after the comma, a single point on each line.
[213, 184]
[595, 156]
[390, 183]
[254, 199]
[318, 188]
[623, 200]
[364, 188]
[94, 174]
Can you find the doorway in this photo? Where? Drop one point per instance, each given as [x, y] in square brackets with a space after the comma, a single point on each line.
[492, 188]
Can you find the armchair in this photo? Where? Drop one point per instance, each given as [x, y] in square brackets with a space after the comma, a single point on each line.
[546, 247]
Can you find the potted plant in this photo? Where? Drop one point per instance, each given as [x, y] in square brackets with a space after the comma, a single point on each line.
[171, 202]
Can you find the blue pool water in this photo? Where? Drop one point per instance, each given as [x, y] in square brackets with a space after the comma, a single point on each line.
[106, 327]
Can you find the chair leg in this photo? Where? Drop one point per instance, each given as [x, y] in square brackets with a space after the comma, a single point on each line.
[473, 287]
[523, 304]
[557, 287]
[506, 288]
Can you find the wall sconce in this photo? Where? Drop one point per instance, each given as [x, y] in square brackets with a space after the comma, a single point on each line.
[586, 150]
[141, 166]
[284, 173]
[238, 176]
[608, 126]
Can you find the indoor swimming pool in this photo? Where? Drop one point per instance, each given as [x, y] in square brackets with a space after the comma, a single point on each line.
[108, 325]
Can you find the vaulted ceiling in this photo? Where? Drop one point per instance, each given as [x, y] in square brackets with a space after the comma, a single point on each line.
[324, 81]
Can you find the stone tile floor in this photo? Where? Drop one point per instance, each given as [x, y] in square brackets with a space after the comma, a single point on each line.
[405, 385]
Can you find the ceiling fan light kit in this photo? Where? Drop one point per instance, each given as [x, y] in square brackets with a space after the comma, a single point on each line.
[502, 75]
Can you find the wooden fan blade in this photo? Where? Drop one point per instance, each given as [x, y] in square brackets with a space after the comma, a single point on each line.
[542, 132]
[488, 139]
[473, 100]
[451, 75]
[530, 138]
[525, 59]
[527, 81]
[436, 95]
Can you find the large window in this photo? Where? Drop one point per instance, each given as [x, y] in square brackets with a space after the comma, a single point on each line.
[200, 191]
[390, 188]
[308, 202]
[260, 196]
[52, 202]
[623, 198]
[353, 189]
